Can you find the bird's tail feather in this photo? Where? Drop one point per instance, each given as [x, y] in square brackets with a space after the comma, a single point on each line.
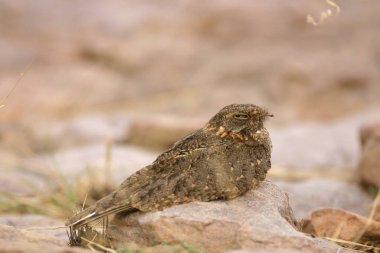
[103, 207]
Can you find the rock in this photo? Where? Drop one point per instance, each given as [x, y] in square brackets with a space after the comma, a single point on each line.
[21, 240]
[341, 250]
[369, 164]
[340, 224]
[267, 251]
[29, 137]
[178, 248]
[17, 139]
[77, 131]
[11, 182]
[261, 219]
[20, 182]
[74, 162]
[309, 195]
[369, 131]
[38, 223]
[331, 146]
[160, 132]
[86, 172]
[8, 159]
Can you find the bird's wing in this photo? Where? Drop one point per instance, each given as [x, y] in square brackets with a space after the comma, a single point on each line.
[171, 176]
[194, 142]
[167, 167]
[169, 161]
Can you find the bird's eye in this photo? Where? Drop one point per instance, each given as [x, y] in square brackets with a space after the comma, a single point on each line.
[242, 116]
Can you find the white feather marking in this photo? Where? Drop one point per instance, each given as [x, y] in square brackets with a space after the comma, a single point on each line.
[82, 219]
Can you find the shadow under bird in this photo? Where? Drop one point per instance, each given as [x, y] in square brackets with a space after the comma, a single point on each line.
[224, 159]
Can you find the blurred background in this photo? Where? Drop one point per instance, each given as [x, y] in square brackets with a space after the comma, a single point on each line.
[188, 59]
[108, 85]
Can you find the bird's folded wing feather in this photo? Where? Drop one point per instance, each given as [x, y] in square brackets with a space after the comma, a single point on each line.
[141, 189]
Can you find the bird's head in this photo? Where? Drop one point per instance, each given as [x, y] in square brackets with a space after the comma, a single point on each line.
[239, 120]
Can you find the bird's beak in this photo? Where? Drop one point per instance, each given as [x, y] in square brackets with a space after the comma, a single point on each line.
[269, 115]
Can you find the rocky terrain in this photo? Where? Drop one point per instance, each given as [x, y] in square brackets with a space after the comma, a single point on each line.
[104, 87]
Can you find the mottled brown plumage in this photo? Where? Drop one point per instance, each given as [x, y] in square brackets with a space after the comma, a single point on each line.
[228, 156]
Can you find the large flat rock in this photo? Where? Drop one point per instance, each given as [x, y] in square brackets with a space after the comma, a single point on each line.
[23, 240]
[261, 219]
[33, 234]
[40, 224]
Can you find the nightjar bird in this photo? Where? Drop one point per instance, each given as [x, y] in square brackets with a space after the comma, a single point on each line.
[224, 159]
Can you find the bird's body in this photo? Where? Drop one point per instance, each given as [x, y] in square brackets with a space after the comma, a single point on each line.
[224, 159]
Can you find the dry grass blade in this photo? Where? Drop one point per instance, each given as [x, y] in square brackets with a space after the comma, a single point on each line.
[91, 243]
[324, 14]
[88, 236]
[14, 86]
[84, 201]
[357, 241]
[108, 162]
[356, 244]
[61, 199]
[370, 218]
[338, 229]
[45, 228]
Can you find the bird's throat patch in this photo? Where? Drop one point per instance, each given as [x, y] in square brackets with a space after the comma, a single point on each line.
[222, 132]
